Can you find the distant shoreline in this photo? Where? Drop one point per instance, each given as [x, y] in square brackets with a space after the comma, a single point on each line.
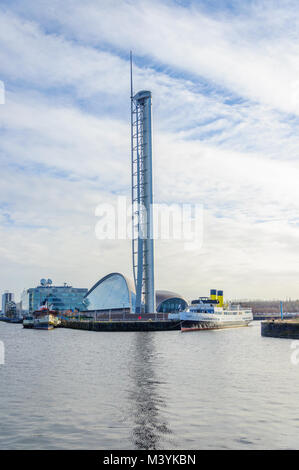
[271, 306]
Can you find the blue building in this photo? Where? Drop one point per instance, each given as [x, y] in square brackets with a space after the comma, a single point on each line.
[59, 298]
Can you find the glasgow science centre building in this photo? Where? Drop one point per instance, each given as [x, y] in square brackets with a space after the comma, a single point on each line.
[115, 294]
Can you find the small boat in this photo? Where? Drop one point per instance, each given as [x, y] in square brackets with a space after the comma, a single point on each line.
[12, 320]
[45, 319]
[209, 313]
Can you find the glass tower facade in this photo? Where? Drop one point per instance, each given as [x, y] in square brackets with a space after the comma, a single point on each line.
[60, 298]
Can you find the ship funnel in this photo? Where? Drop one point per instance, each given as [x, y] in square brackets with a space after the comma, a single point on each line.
[220, 298]
[213, 294]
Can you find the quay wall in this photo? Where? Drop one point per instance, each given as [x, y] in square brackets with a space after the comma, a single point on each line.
[160, 325]
[280, 329]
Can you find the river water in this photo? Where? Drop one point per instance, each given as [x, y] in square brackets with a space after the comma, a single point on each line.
[70, 389]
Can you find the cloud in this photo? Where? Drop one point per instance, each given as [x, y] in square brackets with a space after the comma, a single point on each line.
[253, 53]
[225, 136]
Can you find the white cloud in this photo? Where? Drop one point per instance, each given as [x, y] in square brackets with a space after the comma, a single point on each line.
[254, 54]
[65, 140]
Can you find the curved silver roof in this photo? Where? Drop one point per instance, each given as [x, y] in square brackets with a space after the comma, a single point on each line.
[162, 295]
[129, 282]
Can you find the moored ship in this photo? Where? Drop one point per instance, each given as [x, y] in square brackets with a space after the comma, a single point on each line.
[45, 319]
[209, 313]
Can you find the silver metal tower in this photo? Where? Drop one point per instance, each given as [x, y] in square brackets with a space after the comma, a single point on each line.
[142, 199]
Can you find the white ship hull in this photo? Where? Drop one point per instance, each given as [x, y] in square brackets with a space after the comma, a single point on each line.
[193, 321]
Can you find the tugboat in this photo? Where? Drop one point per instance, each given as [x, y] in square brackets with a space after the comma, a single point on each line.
[45, 319]
[209, 313]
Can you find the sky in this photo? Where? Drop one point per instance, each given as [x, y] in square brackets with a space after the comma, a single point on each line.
[224, 77]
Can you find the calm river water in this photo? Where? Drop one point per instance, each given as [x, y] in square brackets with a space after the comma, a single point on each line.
[69, 389]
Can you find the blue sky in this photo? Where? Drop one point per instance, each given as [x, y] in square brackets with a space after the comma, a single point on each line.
[224, 78]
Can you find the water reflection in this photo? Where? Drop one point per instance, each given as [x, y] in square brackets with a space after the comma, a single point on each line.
[150, 428]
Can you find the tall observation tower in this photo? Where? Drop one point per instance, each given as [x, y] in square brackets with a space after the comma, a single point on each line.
[142, 199]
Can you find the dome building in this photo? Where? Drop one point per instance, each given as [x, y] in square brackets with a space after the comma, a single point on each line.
[115, 293]
[169, 302]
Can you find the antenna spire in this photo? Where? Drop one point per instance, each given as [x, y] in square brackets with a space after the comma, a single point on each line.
[131, 73]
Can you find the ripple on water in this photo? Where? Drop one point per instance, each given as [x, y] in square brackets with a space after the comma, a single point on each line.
[77, 389]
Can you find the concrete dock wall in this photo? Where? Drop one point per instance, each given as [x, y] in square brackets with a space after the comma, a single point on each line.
[122, 325]
[280, 329]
